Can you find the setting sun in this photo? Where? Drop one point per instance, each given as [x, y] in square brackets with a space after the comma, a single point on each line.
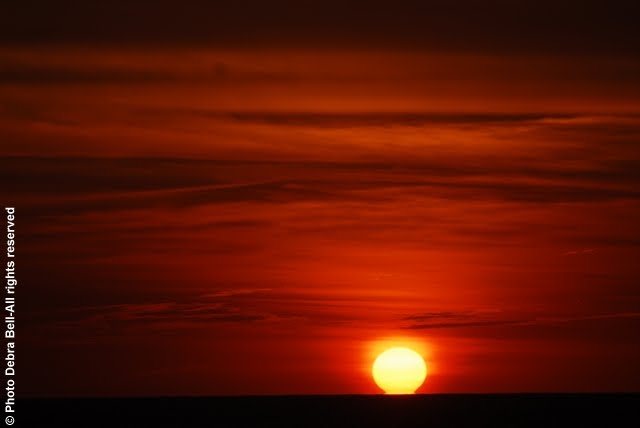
[399, 371]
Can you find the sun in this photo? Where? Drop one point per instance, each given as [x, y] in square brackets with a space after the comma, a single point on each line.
[399, 371]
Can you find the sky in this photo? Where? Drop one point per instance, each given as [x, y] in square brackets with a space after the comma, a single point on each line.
[259, 198]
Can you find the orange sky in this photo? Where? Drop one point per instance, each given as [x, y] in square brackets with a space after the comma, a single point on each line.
[259, 221]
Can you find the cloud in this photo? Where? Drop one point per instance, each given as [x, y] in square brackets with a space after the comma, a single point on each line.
[449, 320]
[376, 119]
[243, 307]
[581, 251]
[92, 184]
[211, 73]
[12, 74]
[237, 292]
[492, 26]
[225, 306]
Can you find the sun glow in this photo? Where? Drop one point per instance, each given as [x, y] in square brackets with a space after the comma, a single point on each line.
[399, 371]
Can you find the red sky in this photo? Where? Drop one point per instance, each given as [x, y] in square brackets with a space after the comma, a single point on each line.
[259, 219]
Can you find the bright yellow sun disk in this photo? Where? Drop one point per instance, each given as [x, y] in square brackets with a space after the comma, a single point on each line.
[399, 371]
